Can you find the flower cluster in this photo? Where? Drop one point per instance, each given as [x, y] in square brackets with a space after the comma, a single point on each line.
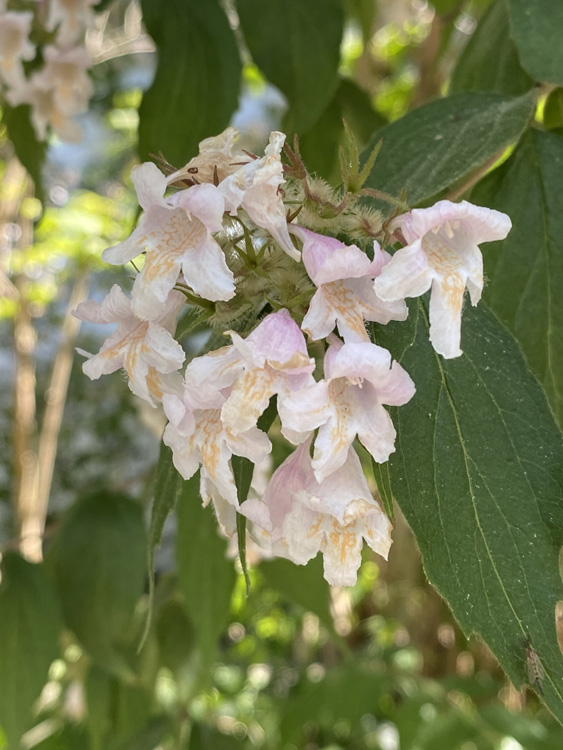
[230, 242]
[59, 88]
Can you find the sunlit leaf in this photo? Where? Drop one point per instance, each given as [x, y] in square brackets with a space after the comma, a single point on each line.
[478, 473]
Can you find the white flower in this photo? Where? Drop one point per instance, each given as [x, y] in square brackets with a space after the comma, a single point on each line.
[146, 350]
[442, 253]
[215, 160]
[201, 439]
[301, 516]
[255, 187]
[271, 360]
[176, 233]
[71, 18]
[64, 73]
[15, 46]
[45, 110]
[359, 380]
[345, 296]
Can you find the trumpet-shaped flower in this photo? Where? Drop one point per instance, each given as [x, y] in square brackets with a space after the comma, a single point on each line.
[271, 360]
[345, 296]
[215, 160]
[359, 380]
[177, 235]
[255, 187]
[443, 253]
[146, 350]
[300, 515]
[201, 439]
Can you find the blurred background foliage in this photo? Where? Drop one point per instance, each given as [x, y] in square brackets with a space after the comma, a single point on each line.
[381, 666]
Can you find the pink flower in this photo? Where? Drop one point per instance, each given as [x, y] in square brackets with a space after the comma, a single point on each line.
[301, 516]
[255, 187]
[359, 380]
[146, 350]
[203, 440]
[345, 296]
[271, 360]
[443, 253]
[176, 233]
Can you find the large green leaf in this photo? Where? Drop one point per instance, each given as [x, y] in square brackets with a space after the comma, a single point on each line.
[296, 44]
[319, 145]
[438, 144]
[196, 86]
[303, 584]
[205, 576]
[30, 624]
[98, 563]
[537, 28]
[30, 151]
[347, 692]
[478, 473]
[489, 61]
[525, 271]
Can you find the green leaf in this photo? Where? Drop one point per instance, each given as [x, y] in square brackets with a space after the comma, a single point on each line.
[553, 110]
[30, 625]
[537, 26]
[204, 737]
[68, 737]
[205, 576]
[303, 584]
[150, 735]
[319, 145]
[347, 692]
[489, 61]
[167, 488]
[296, 45]
[98, 564]
[30, 151]
[525, 272]
[197, 81]
[478, 473]
[440, 143]
[175, 636]
[383, 480]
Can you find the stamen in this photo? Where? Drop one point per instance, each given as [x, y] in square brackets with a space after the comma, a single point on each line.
[356, 380]
[449, 230]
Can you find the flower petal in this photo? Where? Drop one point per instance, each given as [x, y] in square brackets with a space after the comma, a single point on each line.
[446, 302]
[407, 274]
